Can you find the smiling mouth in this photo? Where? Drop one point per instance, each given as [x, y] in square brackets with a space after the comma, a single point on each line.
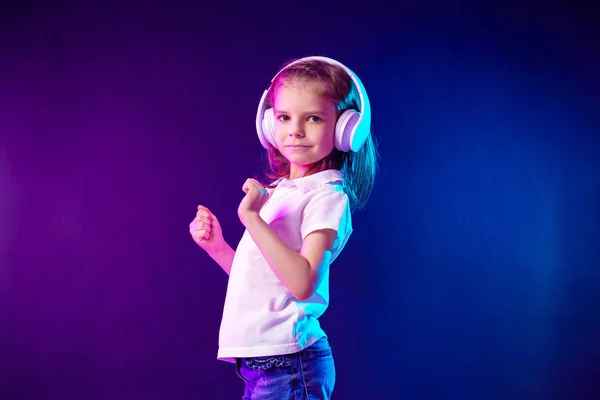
[295, 145]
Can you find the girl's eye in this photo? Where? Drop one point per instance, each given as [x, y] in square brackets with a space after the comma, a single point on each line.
[283, 118]
[314, 118]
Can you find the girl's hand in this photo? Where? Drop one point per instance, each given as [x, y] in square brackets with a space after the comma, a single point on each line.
[206, 231]
[255, 199]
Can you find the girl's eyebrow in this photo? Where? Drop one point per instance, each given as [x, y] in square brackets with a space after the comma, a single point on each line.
[279, 111]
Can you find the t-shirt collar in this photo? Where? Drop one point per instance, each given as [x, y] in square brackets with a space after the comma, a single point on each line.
[310, 182]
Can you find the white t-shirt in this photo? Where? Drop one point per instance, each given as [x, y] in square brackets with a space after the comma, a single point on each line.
[260, 316]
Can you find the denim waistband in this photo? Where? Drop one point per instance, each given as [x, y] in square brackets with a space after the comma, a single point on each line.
[320, 344]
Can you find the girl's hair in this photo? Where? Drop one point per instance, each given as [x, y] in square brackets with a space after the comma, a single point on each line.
[334, 83]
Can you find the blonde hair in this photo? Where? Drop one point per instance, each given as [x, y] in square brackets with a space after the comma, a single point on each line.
[333, 83]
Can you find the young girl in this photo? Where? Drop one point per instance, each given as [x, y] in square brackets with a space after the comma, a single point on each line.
[314, 121]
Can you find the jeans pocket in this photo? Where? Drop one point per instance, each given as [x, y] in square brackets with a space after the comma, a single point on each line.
[318, 349]
[265, 363]
[238, 369]
[316, 353]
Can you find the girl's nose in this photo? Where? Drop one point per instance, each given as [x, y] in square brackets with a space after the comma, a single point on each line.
[296, 130]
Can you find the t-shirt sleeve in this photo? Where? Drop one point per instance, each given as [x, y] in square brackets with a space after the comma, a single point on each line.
[328, 209]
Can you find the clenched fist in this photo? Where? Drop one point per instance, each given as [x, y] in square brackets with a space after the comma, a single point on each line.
[255, 199]
[206, 230]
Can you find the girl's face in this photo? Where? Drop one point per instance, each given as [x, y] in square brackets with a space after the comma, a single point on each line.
[304, 126]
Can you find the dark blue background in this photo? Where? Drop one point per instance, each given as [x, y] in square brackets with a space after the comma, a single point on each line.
[472, 274]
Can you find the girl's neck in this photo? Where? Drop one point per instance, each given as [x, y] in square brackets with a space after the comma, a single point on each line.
[298, 172]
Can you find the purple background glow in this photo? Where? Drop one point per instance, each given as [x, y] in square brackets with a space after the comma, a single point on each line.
[472, 274]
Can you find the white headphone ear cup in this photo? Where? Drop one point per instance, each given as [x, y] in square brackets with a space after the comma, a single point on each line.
[268, 127]
[344, 129]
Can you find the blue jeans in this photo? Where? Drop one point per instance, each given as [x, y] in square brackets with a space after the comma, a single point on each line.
[308, 374]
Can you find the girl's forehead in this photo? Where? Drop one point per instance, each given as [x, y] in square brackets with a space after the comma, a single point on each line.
[301, 92]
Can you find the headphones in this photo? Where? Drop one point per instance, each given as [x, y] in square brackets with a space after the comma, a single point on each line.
[352, 128]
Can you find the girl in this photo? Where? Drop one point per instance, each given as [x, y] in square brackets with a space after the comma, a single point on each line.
[314, 121]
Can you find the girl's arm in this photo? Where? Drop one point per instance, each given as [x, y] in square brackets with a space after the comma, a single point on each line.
[299, 272]
[223, 256]
[206, 232]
